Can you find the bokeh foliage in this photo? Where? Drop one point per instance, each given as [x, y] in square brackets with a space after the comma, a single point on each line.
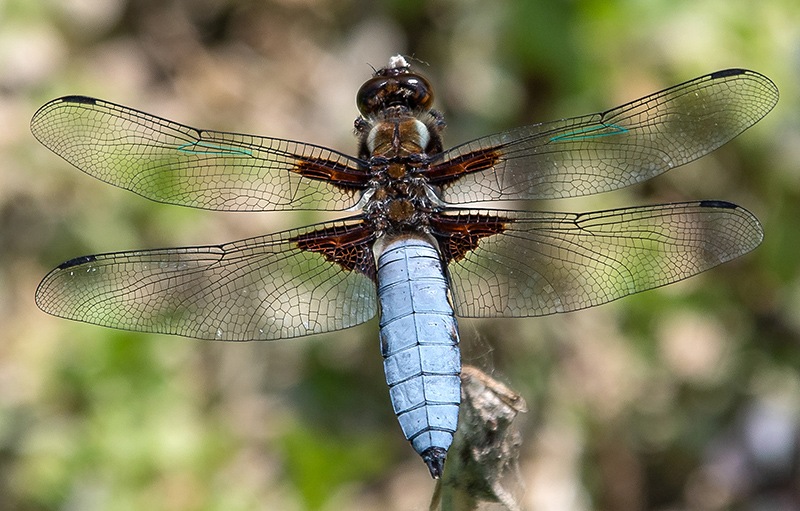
[686, 397]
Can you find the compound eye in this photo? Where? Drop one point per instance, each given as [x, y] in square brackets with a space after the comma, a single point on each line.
[370, 96]
[407, 89]
[419, 90]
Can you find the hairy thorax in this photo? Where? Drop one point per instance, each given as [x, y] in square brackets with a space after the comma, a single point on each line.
[397, 144]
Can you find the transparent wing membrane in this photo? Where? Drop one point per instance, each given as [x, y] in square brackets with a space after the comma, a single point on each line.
[169, 162]
[613, 149]
[255, 289]
[558, 262]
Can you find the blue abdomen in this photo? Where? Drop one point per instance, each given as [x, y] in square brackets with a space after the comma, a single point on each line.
[419, 343]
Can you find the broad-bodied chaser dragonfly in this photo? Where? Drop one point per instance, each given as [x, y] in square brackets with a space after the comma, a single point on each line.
[417, 251]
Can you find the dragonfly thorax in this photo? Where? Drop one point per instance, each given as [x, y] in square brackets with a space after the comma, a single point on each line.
[398, 137]
[397, 144]
[401, 205]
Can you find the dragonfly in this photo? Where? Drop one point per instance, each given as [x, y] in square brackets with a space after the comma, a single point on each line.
[417, 250]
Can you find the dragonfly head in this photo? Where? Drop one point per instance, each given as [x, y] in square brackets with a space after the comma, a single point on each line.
[395, 85]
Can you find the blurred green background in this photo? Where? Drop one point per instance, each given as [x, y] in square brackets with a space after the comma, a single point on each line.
[686, 397]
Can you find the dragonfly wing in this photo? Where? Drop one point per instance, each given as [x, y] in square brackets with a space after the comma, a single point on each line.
[609, 150]
[538, 263]
[169, 162]
[271, 287]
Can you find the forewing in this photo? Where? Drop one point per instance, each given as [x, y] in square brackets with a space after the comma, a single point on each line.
[538, 263]
[264, 288]
[609, 150]
[169, 162]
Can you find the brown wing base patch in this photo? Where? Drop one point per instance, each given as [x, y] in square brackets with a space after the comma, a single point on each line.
[335, 173]
[460, 233]
[348, 245]
[476, 161]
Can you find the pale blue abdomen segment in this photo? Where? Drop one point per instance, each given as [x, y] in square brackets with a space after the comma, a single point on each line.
[419, 343]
